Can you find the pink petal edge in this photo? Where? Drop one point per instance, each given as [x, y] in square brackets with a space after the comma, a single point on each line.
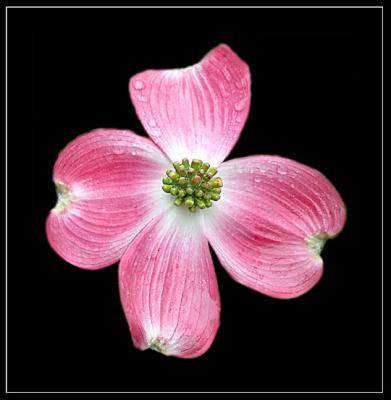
[115, 180]
[198, 111]
[259, 229]
[169, 289]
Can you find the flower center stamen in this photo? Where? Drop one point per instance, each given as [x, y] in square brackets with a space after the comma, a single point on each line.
[193, 184]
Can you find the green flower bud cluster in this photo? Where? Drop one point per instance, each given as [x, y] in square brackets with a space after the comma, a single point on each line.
[193, 185]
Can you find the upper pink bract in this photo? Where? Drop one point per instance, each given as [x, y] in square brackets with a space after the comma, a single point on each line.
[113, 207]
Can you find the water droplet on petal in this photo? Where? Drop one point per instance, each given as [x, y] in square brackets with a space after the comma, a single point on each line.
[292, 185]
[224, 91]
[238, 119]
[214, 59]
[240, 84]
[138, 85]
[152, 123]
[227, 74]
[118, 149]
[257, 180]
[263, 168]
[281, 171]
[240, 105]
[142, 99]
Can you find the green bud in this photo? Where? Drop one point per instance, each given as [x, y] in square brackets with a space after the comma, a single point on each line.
[182, 170]
[205, 166]
[167, 180]
[212, 172]
[196, 180]
[215, 196]
[178, 201]
[173, 175]
[176, 165]
[181, 193]
[166, 188]
[199, 193]
[216, 183]
[174, 191]
[189, 201]
[189, 190]
[196, 164]
[182, 181]
[200, 203]
[185, 163]
[208, 203]
[191, 172]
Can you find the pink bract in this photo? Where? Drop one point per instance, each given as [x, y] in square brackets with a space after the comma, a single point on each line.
[267, 230]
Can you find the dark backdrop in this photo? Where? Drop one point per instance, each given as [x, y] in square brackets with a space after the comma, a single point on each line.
[315, 98]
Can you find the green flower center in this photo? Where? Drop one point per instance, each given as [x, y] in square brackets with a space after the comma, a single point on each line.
[193, 185]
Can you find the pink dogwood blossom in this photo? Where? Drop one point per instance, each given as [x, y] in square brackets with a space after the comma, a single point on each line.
[266, 217]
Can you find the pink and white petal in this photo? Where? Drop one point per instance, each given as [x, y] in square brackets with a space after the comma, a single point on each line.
[109, 187]
[169, 289]
[271, 223]
[198, 111]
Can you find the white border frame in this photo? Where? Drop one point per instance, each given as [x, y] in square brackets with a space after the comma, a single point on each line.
[6, 185]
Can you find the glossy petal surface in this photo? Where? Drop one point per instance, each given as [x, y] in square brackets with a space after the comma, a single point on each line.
[195, 112]
[269, 208]
[112, 182]
[168, 287]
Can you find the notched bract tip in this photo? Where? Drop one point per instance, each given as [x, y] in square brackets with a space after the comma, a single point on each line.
[160, 345]
[64, 197]
[316, 243]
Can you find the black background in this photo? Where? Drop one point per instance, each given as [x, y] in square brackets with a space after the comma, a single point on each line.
[315, 98]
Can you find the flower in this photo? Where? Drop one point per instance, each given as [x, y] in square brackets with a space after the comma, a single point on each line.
[266, 217]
